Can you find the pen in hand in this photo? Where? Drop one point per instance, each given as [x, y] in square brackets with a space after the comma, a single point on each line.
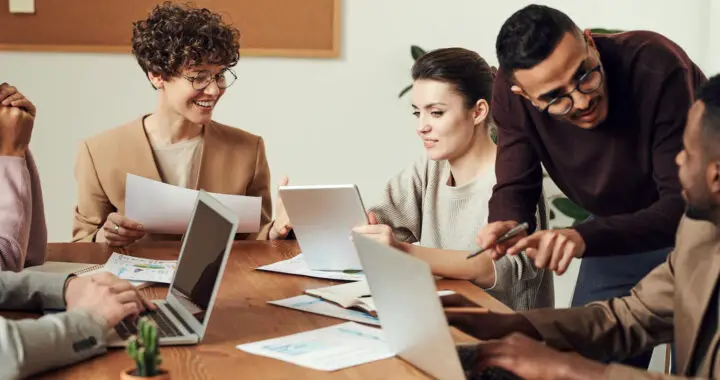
[505, 237]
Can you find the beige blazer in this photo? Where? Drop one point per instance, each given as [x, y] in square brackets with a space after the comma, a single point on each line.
[233, 162]
[668, 304]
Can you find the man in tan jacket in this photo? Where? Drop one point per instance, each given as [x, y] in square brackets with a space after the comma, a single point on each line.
[677, 302]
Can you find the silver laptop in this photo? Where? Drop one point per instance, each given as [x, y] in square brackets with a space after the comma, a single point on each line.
[322, 217]
[183, 316]
[411, 314]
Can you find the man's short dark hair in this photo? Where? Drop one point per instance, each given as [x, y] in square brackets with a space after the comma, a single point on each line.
[709, 94]
[530, 35]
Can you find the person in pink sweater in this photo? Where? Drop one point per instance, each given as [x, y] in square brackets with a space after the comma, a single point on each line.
[23, 233]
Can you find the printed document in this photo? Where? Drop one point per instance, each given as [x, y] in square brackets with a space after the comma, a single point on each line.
[326, 349]
[166, 209]
[298, 266]
[140, 269]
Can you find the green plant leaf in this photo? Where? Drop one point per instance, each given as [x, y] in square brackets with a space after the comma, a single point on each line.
[570, 209]
[416, 52]
[404, 91]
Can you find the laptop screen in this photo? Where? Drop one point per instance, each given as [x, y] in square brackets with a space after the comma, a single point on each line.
[197, 272]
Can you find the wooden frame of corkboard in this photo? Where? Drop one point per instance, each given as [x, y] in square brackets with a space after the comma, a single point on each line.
[270, 28]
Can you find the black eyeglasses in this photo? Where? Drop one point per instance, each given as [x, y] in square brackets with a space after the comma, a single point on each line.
[224, 79]
[586, 84]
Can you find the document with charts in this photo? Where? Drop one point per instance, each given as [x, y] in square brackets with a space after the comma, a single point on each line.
[327, 349]
[140, 269]
[299, 267]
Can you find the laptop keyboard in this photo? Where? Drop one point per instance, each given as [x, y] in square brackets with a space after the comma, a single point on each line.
[127, 327]
[468, 358]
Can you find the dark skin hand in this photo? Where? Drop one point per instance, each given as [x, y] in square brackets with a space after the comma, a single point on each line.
[530, 359]
[511, 342]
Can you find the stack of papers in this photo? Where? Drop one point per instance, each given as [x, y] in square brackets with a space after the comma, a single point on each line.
[327, 349]
[353, 295]
[298, 266]
[319, 306]
[351, 301]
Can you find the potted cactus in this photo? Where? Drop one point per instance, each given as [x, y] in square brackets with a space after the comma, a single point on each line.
[144, 349]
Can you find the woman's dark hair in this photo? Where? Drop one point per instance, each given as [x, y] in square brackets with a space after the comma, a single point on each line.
[175, 36]
[464, 69]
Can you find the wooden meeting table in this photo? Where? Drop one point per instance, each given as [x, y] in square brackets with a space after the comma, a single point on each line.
[241, 315]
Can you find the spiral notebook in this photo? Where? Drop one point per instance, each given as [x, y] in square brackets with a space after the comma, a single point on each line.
[78, 269]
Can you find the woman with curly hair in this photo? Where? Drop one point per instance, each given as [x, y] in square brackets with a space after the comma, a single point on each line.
[187, 54]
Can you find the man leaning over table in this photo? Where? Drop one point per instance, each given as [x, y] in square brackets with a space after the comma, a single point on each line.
[678, 301]
[604, 115]
[93, 303]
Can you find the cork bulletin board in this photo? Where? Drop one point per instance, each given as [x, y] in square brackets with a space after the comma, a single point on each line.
[277, 28]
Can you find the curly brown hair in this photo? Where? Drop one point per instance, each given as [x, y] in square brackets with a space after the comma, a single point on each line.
[175, 36]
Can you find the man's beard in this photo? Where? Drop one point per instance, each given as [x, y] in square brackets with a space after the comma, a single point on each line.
[700, 212]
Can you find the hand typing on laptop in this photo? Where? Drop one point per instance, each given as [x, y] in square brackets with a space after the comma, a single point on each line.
[510, 342]
[530, 359]
[105, 295]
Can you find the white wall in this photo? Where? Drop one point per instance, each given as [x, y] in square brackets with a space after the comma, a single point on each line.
[324, 120]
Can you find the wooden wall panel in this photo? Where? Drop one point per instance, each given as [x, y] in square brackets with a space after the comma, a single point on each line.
[290, 28]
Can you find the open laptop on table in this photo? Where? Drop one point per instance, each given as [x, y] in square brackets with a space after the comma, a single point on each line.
[411, 314]
[322, 217]
[183, 316]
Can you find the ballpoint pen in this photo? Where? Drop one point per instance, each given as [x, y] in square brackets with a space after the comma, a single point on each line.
[507, 236]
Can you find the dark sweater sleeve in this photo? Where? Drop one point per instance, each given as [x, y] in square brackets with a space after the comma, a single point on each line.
[517, 165]
[653, 227]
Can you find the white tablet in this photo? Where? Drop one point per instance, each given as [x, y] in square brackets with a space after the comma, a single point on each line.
[323, 217]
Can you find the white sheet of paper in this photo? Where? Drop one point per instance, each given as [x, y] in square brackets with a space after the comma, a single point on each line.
[22, 6]
[166, 209]
[319, 306]
[298, 266]
[327, 349]
[140, 269]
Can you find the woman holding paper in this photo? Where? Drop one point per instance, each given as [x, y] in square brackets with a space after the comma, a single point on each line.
[440, 201]
[187, 54]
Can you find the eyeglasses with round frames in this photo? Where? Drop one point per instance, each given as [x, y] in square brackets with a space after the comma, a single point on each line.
[224, 79]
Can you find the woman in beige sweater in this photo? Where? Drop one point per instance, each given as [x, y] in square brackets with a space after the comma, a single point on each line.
[440, 201]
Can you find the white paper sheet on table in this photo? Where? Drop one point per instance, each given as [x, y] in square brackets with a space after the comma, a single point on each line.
[326, 349]
[166, 209]
[298, 266]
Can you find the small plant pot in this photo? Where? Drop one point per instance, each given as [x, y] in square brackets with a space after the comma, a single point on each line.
[129, 374]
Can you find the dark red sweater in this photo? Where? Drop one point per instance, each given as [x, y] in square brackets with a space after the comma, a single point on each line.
[623, 171]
